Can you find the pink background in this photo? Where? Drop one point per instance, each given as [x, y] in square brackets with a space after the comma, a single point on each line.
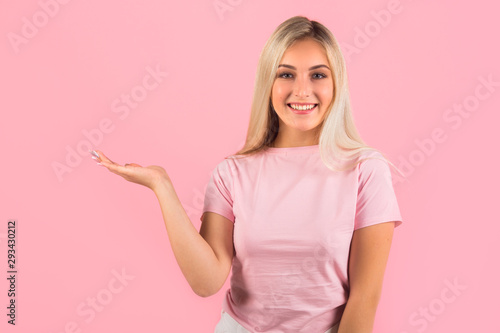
[79, 228]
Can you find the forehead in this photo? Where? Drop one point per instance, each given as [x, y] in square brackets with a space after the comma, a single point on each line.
[305, 52]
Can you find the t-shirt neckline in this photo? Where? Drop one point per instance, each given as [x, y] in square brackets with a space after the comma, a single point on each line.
[294, 150]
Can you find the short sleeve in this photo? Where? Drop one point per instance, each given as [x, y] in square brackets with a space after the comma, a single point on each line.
[218, 196]
[376, 201]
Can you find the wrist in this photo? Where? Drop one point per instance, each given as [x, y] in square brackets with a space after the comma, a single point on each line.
[162, 185]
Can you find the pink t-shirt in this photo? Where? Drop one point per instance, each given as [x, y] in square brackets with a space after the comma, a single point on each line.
[293, 223]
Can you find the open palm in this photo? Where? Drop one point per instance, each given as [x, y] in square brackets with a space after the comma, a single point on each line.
[150, 176]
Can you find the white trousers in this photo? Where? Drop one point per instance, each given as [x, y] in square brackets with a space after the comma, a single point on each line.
[228, 324]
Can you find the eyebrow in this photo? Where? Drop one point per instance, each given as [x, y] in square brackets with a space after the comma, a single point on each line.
[312, 68]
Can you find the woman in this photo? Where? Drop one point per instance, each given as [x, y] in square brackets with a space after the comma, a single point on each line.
[304, 214]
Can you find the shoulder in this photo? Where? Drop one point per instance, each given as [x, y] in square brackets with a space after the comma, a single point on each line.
[234, 163]
[230, 165]
[373, 163]
[370, 159]
[224, 168]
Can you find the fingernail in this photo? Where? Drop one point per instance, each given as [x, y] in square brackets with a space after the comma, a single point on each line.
[95, 158]
[100, 164]
[94, 153]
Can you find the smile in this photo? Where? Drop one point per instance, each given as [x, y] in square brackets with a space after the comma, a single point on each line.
[302, 109]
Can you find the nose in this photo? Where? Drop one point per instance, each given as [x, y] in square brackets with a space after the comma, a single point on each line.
[302, 87]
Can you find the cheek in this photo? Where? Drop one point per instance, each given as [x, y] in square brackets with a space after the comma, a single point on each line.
[279, 91]
[326, 93]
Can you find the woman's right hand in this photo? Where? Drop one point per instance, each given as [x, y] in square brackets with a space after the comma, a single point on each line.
[151, 176]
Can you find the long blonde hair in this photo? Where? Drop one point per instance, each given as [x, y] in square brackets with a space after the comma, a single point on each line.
[339, 140]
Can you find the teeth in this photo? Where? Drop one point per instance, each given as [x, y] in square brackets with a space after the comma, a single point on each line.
[302, 107]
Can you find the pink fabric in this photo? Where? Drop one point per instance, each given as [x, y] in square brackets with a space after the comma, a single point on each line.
[293, 223]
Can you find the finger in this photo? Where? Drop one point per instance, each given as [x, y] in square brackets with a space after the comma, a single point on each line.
[94, 154]
[116, 168]
[103, 157]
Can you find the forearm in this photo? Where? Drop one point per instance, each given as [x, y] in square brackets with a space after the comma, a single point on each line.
[194, 255]
[359, 315]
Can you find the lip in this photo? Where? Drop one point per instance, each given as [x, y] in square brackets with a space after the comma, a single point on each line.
[302, 111]
[298, 103]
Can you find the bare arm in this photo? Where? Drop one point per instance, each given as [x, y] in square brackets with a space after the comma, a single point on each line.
[204, 258]
[206, 270]
[367, 262]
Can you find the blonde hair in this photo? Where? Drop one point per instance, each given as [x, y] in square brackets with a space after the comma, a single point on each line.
[339, 140]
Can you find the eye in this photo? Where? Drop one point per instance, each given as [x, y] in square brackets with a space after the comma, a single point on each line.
[315, 75]
[320, 74]
[282, 75]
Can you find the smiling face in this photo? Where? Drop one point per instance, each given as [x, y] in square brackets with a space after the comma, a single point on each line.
[301, 93]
